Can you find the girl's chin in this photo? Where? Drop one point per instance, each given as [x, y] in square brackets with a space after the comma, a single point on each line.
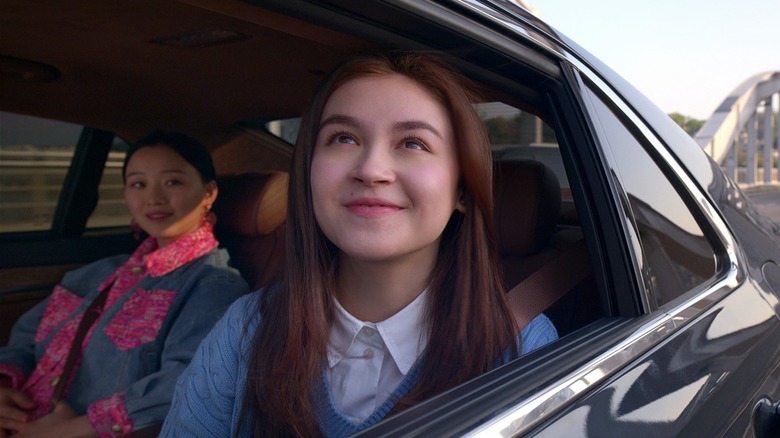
[374, 256]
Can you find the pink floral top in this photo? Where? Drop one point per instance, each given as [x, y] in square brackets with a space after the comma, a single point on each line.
[160, 304]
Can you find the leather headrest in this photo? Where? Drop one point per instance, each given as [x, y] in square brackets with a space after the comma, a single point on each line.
[527, 206]
[251, 204]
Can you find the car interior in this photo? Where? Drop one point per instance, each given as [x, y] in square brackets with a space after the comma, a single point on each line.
[651, 271]
[235, 76]
[251, 210]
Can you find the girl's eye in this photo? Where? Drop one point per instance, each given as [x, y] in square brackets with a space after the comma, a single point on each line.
[135, 184]
[172, 182]
[342, 137]
[414, 143]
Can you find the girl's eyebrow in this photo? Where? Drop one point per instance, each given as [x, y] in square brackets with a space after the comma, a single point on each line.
[141, 172]
[411, 125]
[340, 119]
[407, 125]
[175, 170]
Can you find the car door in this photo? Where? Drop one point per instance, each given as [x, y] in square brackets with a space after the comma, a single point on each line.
[720, 356]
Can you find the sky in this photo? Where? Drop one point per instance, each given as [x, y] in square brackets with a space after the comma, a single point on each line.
[687, 56]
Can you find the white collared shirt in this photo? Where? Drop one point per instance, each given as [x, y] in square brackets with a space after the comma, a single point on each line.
[367, 361]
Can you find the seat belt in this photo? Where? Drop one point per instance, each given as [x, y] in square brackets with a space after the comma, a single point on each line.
[548, 284]
[88, 319]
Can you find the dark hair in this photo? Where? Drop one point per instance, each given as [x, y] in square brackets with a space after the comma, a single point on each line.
[187, 147]
[468, 317]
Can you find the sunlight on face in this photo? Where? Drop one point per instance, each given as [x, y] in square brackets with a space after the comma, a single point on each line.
[384, 173]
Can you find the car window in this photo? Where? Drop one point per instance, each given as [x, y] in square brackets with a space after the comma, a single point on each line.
[677, 254]
[35, 156]
[515, 135]
[285, 129]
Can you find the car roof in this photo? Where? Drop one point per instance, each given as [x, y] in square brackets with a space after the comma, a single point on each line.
[203, 66]
[131, 67]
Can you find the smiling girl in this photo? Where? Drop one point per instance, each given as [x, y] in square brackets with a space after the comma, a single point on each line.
[157, 305]
[391, 292]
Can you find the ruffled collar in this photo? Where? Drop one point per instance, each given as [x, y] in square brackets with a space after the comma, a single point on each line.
[160, 261]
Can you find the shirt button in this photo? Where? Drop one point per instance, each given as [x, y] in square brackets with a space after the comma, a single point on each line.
[137, 270]
[369, 331]
[55, 380]
[368, 353]
[116, 429]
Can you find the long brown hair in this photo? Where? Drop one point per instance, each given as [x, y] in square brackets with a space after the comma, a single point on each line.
[469, 323]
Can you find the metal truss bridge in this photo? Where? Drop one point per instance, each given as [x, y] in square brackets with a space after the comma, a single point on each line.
[743, 134]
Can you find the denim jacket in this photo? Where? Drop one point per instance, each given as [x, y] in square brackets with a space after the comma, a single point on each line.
[161, 304]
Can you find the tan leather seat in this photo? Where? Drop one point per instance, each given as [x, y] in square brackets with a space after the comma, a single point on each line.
[251, 211]
[527, 215]
[527, 207]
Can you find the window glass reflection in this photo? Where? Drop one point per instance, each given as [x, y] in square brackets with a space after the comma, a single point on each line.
[678, 256]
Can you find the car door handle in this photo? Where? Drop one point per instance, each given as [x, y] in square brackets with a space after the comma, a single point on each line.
[766, 418]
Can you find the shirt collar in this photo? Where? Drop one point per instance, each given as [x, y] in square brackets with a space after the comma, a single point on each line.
[404, 333]
[181, 251]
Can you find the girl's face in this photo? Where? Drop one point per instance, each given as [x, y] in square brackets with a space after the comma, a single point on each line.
[165, 194]
[384, 173]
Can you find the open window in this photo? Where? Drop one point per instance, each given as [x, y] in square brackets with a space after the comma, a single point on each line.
[36, 155]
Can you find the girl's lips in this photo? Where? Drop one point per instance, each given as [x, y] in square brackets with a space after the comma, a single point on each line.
[158, 216]
[371, 207]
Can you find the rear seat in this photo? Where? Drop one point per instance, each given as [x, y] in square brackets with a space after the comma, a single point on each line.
[527, 208]
[251, 211]
[527, 216]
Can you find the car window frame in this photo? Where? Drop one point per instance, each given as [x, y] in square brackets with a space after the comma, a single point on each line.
[698, 202]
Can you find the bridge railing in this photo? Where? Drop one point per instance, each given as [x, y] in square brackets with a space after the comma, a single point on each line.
[744, 125]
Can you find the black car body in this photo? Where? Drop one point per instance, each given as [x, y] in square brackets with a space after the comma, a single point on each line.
[676, 330]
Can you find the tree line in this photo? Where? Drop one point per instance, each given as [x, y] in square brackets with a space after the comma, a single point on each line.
[688, 124]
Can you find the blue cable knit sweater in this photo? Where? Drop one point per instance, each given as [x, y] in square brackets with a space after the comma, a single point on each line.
[207, 401]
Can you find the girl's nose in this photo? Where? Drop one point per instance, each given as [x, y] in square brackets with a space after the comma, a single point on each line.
[156, 196]
[374, 166]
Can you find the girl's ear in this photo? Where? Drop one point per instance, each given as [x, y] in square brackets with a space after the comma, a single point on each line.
[211, 192]
[461, 204]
